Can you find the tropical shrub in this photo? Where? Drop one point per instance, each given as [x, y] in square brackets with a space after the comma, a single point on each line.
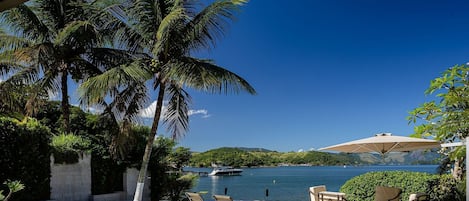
[167, 182]
[68, 147]
[447, 188]
[25, 157]
[362, 187]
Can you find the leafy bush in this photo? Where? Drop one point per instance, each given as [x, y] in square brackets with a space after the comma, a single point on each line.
[166, 181]
[447, 188]
[67, 147]
[25, 156]
[362, 187]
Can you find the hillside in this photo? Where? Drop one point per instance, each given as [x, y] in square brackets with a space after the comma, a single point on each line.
[241, 156]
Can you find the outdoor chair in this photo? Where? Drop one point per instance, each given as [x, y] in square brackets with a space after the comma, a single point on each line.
[194, 196]
[222, 198]
[418, 197]
[384, 193]
[319, 193]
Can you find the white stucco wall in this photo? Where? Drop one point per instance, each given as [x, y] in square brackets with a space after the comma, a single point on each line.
[71, 182]
[130, 183]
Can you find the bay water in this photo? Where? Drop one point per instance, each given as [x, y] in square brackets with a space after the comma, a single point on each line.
[286, 183]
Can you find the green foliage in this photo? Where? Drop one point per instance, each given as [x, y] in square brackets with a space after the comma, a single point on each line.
[239, 157]
[69, 142]
[13, 187]
[445, 118]
[447, 188]
[106, 175]
[25, 157]
[362, 187]
[225, 156]
[68, 147]
[168, 182]
[180, 157]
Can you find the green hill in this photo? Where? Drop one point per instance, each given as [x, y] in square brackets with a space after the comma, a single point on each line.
[248, 157]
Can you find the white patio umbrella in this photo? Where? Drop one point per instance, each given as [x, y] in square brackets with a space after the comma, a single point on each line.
[384, 143]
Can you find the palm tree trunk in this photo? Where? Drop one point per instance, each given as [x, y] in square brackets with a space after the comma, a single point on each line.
[151, 138]
[65, 103]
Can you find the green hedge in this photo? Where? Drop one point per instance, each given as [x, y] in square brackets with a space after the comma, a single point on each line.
[362, 187]
[25, 157]
[67, 148]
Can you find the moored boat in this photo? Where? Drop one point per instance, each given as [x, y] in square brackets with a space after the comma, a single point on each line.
[225, 171]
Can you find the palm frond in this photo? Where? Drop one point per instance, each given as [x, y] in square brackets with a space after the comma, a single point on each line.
[125, 32]
[147, 15]
[77, 34]
[82, 68]
[11, 42]
[176, 116]
[168, 36]
[9, 64]
[205, 76]
[50, 81]
[94, 89]
[209, 25]
[25, 23]
[132, 100]
[36, 98]
[26, 75]
[10, 100]
[56, 14]
[111, 57]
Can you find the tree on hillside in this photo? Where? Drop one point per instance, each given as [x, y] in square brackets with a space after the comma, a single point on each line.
[164, 33]
[446, 119]
[45, 43]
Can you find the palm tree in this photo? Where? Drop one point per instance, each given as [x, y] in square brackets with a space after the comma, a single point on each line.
[48, 42]
[14, 100]
[165, 33]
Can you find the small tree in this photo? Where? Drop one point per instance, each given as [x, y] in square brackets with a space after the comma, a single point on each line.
[166, 183]
[180, 157]
[447, 118]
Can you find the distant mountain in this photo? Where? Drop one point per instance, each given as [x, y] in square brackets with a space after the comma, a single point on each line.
[402, 158]
[246, 156]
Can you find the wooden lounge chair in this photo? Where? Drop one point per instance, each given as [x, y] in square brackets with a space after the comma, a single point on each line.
[384, 193]
[194, 196]
[222, 198]
[319, 193]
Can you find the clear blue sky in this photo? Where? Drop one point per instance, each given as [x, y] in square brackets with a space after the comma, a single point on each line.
[328, 71]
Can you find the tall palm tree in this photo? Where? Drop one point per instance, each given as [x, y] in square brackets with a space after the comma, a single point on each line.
[46, 43]
[165, 33]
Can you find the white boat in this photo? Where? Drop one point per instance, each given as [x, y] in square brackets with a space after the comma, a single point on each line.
[225, 171]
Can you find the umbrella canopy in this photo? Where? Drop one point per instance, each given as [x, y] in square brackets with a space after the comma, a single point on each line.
[384, 143]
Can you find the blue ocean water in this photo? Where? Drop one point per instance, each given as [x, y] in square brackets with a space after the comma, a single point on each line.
[287, 183]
